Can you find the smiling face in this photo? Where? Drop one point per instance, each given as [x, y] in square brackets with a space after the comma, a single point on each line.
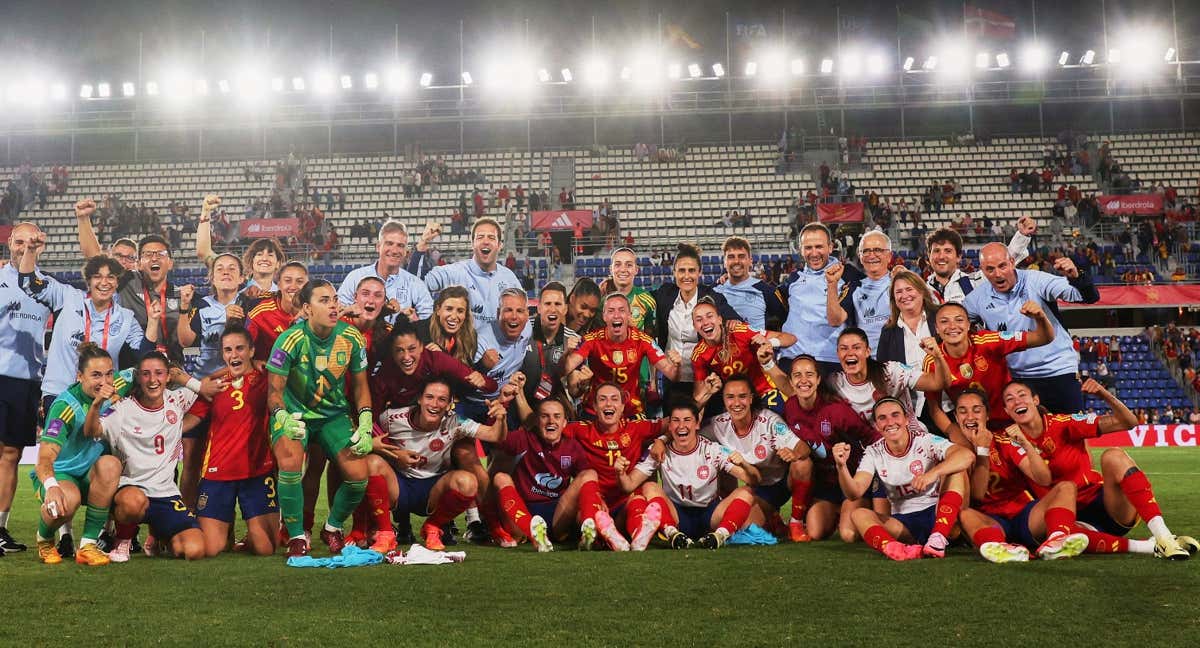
[738, 396]
[238, 353]
[126, 255]
[944, 259]
[102, 285]
[815, 248]
[1021, 404]
[513, 316]
[152, 375]
[97, 373]
[552, 418]
[708, 323]
[322, 308]
[998, 267]
[616, 317]
[737, 264]
[291, 280]
[687, 274]
[485, 245]
[552, 310]
[406, 353]
[610, 406]
[971, 413]
[433, 404]
[805, 378]
[908, 297]
[451, 315]
[18, 241]
[264, 263]
[393, 249]
[952, 324]
[875, 253]
[624, 268]
[226, 273]
[370, 298]
[853, 352]
[682, 427]
[155, 262]
[581, 309]
[891, 422]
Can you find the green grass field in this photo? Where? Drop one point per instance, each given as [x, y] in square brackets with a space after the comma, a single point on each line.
[825, 592]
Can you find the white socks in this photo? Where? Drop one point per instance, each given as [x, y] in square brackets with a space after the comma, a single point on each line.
[1159, 528]
[473, 515]
[4, 519]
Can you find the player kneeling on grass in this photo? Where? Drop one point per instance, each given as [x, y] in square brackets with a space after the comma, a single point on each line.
[763, 439]
[691, 468]
[552, 491]
[72, 468]
[417, 450]
[237, 468]
[913, 467]
[145, 432]
[1109, 501]
[1005, 521]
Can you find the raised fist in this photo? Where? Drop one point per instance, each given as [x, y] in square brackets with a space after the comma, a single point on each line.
[841, 453]
[930, 346]
[1066, 267]
[490, 358]
[1032, 309]
[1027, 225]
[211, 202]
[85, 208]
[833, 274]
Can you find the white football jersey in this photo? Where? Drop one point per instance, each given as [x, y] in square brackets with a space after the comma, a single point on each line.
[897, 472]
[767, 435]
[149, 443]
[900, 379]
[690, 479]
[434, 447]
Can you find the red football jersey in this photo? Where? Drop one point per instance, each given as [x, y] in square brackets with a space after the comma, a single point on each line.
[239, 446]
[1062, 446]
[629, 441]
[619, 362]
[544, 471]
[740, 358]
[985, 365]
[265, 322]
[1007, 489]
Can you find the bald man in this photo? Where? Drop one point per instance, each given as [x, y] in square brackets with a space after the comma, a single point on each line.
[1051, 370]
[22, 357]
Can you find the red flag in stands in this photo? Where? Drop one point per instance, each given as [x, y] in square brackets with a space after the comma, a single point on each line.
[851, 212]
[989, 25]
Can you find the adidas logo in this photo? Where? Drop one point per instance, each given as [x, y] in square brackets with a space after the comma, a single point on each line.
[563, 221]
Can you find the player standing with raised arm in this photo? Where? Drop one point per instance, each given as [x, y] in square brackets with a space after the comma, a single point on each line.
[307, 390]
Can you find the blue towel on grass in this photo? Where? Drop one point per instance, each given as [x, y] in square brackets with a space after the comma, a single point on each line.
[351, 556]
[752, 535]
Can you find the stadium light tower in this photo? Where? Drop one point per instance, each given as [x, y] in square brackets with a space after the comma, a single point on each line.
[694, 70]
[1002, 60]
[1033, 58]
[58, 91]
[851, 65]
[103, 90]
[85, 91]
[718, 70]
[876, 65]
[1088, 57]
[751, 68]
[826, 66]
[426, 79]
[1064, 57]
[908, 63]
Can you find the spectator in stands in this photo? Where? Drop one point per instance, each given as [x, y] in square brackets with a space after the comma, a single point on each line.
[808, 293]
[674, 302]
[757, 302]
[477, 199]
[407, 295]
[945, 249]
[1114, 349]
[1104, 375]
[1049, 370]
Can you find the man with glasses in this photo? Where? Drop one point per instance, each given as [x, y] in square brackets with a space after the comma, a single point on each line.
[869, 305]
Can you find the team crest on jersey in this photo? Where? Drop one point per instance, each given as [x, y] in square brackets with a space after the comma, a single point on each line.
[826, 428]
[636, 311]
[436, 445]
[917, 468]
[565, 462]
[966, 371]
[342, 358]
[760, 452]
[618, 357]
[702, 472]
[981, 364]
[172, 417]
[321, 362]
[624, 439]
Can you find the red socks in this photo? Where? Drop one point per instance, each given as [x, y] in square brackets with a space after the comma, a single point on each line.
[735, 516]
[1103, 543]
[667, 518]
[514, 507]
[1059, 520]
[1137, 488]
[800, 499]
[361, 519]
[877, 537]
[449, 506]
[948, 507]
[590, 501]
[635, 508]
[125, 531]
[379, 502]
[988, 534]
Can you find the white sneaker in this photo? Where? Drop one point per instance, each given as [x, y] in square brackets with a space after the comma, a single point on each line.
[537, 525]
[650, 523]
[120, 553]
[587, 534]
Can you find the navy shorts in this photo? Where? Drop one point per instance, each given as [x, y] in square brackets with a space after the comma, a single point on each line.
[255, 496]
[1016, 528]
[1097, 515]
[414, 494]
[695, 521]
[544, 509]
[827, 492]
[919, 523]
[776, 494]
[198, 432]
[774, 400]
[18, 411]
[168, 516]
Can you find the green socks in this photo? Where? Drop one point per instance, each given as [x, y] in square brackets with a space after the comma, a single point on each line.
[291, 501]
[345, 500]
[93, 522]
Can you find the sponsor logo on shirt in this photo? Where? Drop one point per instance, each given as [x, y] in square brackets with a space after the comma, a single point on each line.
[548, 481]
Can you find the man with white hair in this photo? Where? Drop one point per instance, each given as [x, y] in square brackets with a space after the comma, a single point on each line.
[1050, 370]
[869, 305]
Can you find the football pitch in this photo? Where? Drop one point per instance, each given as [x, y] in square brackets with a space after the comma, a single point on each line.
[820, 593]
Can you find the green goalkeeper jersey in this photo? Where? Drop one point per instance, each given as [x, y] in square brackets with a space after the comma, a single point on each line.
[316, 368]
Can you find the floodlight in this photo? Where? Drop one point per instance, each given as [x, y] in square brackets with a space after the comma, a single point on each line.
[371, 80]
[426, 79]
[797, 66]
[1002, 59]
[1033, 57]
[1087, 58]
[104, 90]
[876, 64]
[58, 91]
[908, 63]
[323, 82]
[718, 70]
[152, 88]
[851, 65]
[544, 75]
[1114, 56]
[566, 75]
[466, 78]
[395, 80]
[826, 66]
[128, 89]
[85, 91]
[347, 82]
[201, 87]
[223, 86]
[1064, 57]
[930, 63]
[298, 84]
[1170, 56]
[983, 60]
[595, 72]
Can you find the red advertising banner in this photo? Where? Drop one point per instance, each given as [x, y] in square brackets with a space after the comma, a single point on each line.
[1182, 435]
[1153, 295]
[987, 24]
[269, 227]
[560, 220]
[5, 232]
[1150, 204]
[851, 212]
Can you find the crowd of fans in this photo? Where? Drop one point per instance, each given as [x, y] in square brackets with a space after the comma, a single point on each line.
[28, 187]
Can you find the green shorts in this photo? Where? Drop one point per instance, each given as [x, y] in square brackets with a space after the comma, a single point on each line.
[333, 434]
[82, 483]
